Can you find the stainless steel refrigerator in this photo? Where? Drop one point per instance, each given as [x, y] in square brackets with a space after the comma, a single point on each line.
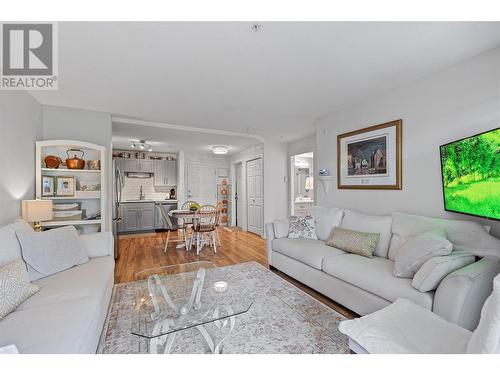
[118, 182]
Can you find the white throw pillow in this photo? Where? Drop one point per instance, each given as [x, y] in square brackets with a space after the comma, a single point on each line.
[325, 219]
[97, 244]
[418, 250]
[15, 286]
[9, 245]
[371, 224]
[430, 275]
[486, 338]
[52, 251]
[302, 227]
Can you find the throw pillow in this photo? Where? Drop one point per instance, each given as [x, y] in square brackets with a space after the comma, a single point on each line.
[302, 227]
[15, 286]
[11, 250]
[360, 243]
[52, 251]
[418, 250]
[430, 275]
[372, 224]
[325, 219]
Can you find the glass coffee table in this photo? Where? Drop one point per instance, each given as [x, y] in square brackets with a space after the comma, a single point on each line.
[196, 295]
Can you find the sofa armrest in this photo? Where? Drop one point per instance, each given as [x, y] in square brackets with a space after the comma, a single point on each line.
[98, 244]
[461, 295]
[270, 236]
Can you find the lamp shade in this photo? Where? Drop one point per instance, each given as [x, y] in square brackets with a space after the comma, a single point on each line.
[37, 210]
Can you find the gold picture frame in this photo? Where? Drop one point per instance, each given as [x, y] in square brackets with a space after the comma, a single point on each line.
[371, 158]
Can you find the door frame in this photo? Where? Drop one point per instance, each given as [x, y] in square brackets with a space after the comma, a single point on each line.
[238, 202]
[261, 191]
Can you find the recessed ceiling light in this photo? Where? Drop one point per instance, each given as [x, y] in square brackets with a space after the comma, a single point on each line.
[220, 150]
[255, 27]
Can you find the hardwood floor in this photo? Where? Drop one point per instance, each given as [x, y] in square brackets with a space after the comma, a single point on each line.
[142, 251]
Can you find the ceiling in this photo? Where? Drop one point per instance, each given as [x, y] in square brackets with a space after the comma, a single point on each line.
[223, 75]
[175, 140]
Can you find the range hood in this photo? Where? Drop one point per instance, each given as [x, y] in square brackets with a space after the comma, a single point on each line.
[139, 175]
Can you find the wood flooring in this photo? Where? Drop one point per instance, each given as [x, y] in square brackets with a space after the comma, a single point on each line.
[139, 252]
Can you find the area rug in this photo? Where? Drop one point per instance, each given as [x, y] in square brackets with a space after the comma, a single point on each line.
[282, 319]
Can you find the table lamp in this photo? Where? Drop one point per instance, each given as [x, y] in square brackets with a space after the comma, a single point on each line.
[36, 211]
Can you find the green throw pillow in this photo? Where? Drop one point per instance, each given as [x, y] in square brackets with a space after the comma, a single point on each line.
[351, 241]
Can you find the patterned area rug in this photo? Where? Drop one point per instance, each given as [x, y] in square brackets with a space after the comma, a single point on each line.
[283, 319]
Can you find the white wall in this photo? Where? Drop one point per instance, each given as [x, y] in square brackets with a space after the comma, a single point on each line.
[451, 104]
[276, 189]
[20, 128]
[81, 125]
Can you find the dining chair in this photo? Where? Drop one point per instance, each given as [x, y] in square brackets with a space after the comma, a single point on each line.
[170, 227]
[204, 224]
[220, 209]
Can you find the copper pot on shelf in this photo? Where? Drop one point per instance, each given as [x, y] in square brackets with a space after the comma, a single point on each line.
[52, 162]
[75, 162]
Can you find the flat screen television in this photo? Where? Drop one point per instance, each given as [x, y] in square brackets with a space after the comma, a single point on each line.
[470, 170]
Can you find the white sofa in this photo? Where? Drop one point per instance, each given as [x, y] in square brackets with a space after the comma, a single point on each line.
[67, 314]
[365, 285]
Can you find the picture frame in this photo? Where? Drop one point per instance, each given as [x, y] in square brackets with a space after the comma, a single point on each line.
[371, 158]
[65, 186]
[48, 186]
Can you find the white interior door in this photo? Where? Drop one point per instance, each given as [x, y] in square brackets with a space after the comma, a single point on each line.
[239, 194]
[201, 184]
[254, 196]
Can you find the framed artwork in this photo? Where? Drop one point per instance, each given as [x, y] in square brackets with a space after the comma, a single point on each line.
[65, 186]
[48, 186]
[370, 158]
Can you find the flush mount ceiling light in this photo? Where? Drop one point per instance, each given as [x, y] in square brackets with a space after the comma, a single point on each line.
[142, 145]
[219, 150]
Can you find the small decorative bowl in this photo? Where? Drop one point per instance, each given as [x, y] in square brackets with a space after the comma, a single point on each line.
[220, 286]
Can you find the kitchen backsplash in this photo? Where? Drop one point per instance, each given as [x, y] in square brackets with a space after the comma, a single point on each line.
[133, 186]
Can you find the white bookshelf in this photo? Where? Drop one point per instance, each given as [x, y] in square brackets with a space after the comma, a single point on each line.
[90, 201]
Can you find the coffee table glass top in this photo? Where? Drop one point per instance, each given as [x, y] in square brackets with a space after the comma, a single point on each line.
[174, 298]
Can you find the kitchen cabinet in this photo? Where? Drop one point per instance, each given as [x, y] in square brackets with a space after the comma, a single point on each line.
[139, 165]
[165, 172]
[137, 217]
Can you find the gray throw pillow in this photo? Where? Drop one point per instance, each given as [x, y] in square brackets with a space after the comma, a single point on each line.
[302, 227]
[418, 250]
[52, 251]
[355, 242]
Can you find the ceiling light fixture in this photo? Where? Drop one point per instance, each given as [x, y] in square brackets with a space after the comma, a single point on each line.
[220, 150]
[142, 144]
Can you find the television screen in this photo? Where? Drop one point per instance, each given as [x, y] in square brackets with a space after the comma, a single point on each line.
[470, 170]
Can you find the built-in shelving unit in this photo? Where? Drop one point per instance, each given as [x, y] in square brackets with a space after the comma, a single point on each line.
[90, 202]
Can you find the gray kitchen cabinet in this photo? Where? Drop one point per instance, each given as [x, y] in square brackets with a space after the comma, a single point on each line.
[165, 172]
[139, 165]
[137, 217]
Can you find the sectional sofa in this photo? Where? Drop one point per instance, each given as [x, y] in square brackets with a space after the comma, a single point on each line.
[68, 312]
[365, 285]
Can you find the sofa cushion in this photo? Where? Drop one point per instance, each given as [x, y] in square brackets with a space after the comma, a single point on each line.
[326, 218]
[49, 252]
[464, 235]
[89, 279]
[375, 276]
[430, 275]
[406, 328]
[98, 244]
[281, 228]
[310, 252]
[419, 249]
[9, 245]
[60, 327]
[371, 224]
